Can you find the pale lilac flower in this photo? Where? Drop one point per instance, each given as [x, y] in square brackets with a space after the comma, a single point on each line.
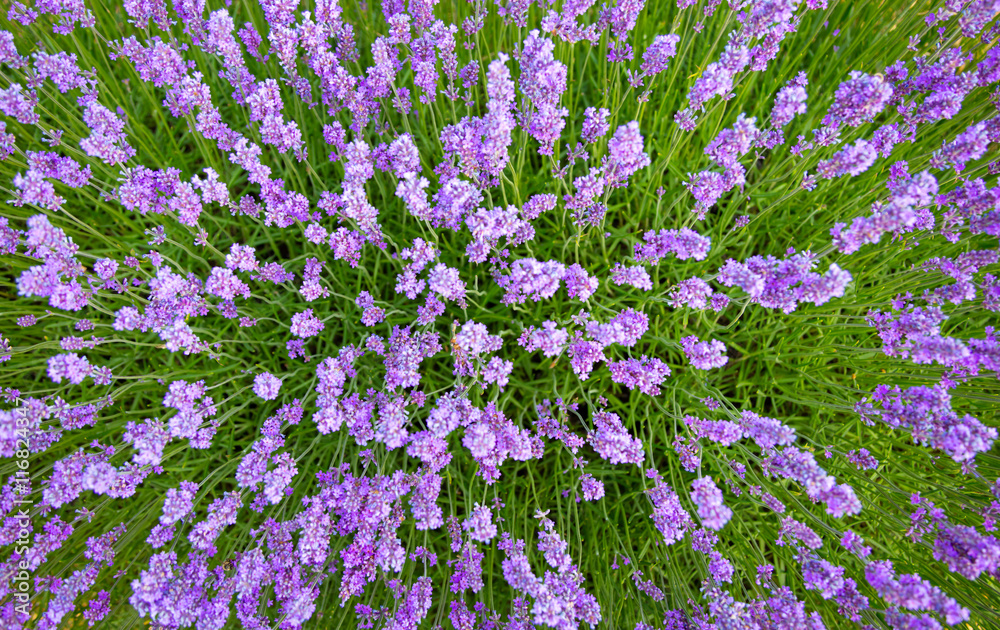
[305, 324]
[635, 276]
[711, 509]
[593, 489]
[70, 366]
[704, 355]
[659, 53]
[266, 385]
[612, 442]
[644, 374]
[480, 524]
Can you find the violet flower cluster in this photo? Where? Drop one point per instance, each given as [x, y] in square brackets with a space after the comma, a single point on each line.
[300, 298]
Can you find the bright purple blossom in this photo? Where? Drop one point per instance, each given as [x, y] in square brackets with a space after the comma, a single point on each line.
[858, 100]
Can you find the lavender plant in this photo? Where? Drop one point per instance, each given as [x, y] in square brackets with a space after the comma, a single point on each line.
[497, 315]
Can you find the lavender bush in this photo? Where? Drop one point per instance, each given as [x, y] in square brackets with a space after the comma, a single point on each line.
[499, 315]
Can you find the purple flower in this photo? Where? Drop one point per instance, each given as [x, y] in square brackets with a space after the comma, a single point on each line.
[704, 355]
[223, 283]
[98, 477]
[70, 366]
[18, 104]
[241, 257]
[801, 466]
[771, 282]
[595, 124]
[550, 339]
[179, 503]
[685, 119]
[624, 329]
[732, 143]
[823, 576]
[669, 517]
[305, 324]
[858, 100]
[266, 385]
[446, 282]
[636, 276]
[542, 82]
[711, 509]
[766, 432]
[927, 413]
[480, 524]
[593, 489]
[106, 268]
[853, 542]
[532, 279]
[579, 284]
[912, 592]
[722, 432]
[107, 140]
[278, 478]
[659, 53]
[644, 374]
[405, 352]
[969, 145]
[625, 155]
[851, 160]
[717, 80]
[372, 314]
[790, 101]
[966, 551]
[498, 371]
[612, 442]
[684, 243]
[862, 459]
